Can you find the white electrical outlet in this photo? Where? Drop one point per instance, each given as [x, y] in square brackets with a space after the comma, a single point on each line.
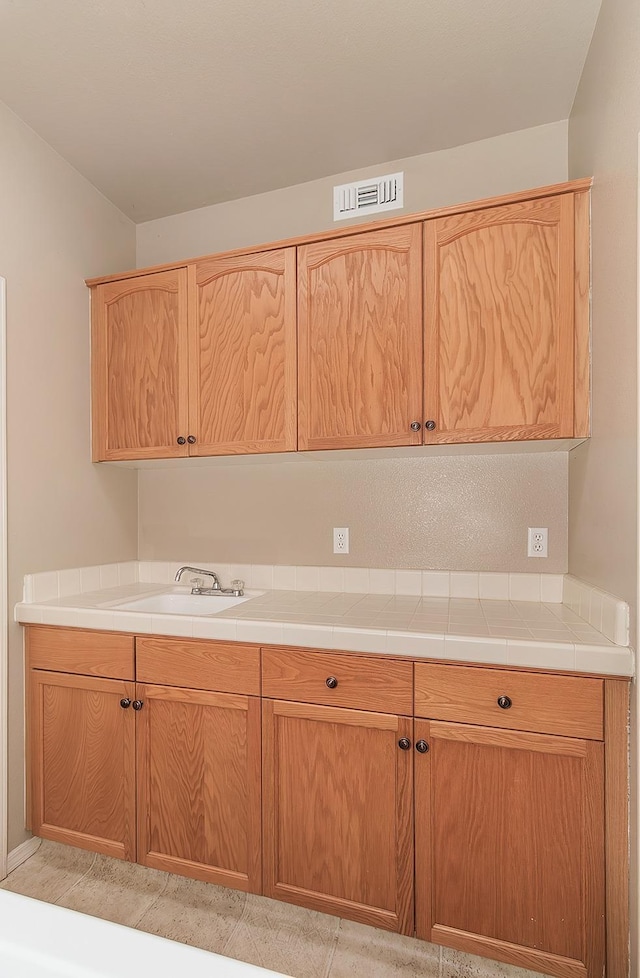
[537, 541]
[341, 539]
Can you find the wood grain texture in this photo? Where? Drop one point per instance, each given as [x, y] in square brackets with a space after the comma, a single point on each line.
[567, 705]
[242, 354]
[616, 700]
[78, 650]
[360, 340]
[198, 664]
[499, 339]
[199, 785]
[139, 367]
[322, 780]
[82, 762]
[582, 317]
[516, 848]
[363, 683]
[570, 186]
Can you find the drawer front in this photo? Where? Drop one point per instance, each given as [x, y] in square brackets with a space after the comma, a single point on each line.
[354, 681]
[566, 705]
[80, 651]
[196, 664]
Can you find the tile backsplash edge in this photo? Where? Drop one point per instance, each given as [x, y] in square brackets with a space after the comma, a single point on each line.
[605, 612]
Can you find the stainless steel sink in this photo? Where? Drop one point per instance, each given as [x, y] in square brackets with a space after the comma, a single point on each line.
[179, 602]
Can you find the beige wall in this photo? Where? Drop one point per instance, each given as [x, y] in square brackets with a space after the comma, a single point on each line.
[436, 513]
[55, 229]
[603, 140]
[457, 513]
[500, 165]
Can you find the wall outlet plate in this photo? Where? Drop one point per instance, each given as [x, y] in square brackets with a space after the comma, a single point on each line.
[341, 539]
[537, 541]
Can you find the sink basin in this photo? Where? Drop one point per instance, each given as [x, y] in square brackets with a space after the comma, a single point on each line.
[181, 603]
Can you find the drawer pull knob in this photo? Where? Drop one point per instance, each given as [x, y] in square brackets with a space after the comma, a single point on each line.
[415, 426]
[125, 702]
[430, 425]
[181, 440]
[404, 743]
[191, 439]
[137, 704]
[422, 747]
[331, 682]
[504, 702]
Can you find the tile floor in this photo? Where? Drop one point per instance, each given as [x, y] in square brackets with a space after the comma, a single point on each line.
[297, 942]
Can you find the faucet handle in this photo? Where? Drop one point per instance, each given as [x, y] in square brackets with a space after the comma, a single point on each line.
[197, 581]
[238, 585]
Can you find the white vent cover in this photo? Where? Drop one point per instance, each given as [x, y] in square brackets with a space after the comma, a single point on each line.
[368, 196]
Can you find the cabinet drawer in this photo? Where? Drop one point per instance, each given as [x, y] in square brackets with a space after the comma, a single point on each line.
[381, 685]
[79, 651]
[567, 705]
[195, 664]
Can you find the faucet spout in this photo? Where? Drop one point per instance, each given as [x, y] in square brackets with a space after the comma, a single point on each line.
[215, 584]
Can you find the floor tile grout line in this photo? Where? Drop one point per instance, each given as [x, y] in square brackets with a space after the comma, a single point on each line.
[235, 927]
[79, 880]
[152, 904]
[332, 949]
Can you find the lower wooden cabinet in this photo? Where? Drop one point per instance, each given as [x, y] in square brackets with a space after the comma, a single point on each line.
[198, 784]
[489, 807]
[338, 812]
[83, 762]
[510, 846]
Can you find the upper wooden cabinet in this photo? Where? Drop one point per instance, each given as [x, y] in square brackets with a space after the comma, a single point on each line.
[500, 323]
[139, 360]
[360, 330]
[242, 354]
[469, 324]
[197, 361]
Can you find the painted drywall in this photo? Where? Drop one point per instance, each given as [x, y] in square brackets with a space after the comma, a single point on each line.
[429, 513]
[603, 140]
[55, 229]
[500, 165]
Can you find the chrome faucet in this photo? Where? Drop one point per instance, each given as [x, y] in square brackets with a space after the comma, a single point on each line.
[236, 589]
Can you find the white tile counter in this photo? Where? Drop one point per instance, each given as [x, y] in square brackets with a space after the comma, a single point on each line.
[547, 635]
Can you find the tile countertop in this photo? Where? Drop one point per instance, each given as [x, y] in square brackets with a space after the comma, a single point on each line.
[516, 633]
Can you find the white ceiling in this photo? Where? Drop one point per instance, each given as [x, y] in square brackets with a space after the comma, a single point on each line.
[167, 105]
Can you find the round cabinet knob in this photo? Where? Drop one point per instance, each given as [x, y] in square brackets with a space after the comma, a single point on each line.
[430, 425]
[415, 426]
[125, 702]
[331, 682]
[181, 440]
[422, 747]
[191, 439]
[504, 702]
[137, 704]
[404, 743]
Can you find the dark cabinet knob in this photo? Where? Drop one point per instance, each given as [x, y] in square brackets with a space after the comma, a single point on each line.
[404, 743]
[125, 702]
[422, 747]
[181, 440]
[331, 682]
[415, 426]
[504, 702]
[430, 425]
[137, 704]
[191, 439]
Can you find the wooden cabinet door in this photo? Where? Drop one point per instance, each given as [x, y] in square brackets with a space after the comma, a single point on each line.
[338, 812]
[360, 340]
[242, 354]
[82, 762]
[499, 323]
[139, 366]
[509, 846]
[199, 785]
